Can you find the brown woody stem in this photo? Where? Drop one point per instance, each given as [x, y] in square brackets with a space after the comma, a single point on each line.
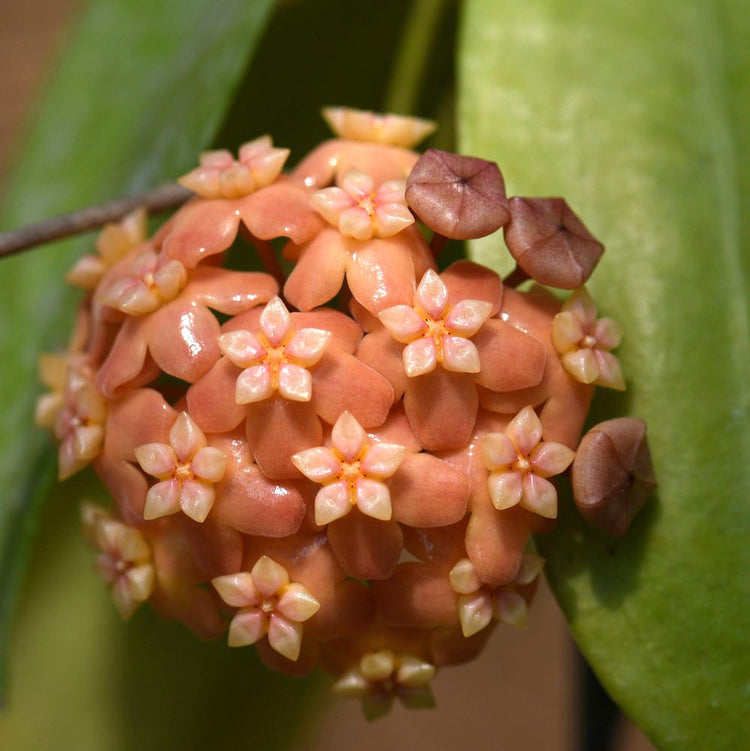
[160, 199]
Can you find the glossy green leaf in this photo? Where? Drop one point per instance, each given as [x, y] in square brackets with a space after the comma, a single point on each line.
[137, 95]
[639, 113]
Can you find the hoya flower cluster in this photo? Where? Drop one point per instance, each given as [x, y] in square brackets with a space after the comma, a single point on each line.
[317, 440]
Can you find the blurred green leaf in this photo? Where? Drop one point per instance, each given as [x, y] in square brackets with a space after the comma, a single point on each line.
[138, 93]
[638, 114]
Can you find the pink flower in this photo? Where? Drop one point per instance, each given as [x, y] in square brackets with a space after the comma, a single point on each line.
[74, 409]
[379, 677]
[269, 604]
[519, 463]
[221, 176]
[361, 212]
[478, 603]
[362, 125]
[187, 470]
[192, 347]
[124, 562]
[317, 344]
[151, 281]
[584, 343]
[434, 332]
[276, 359]
[351, 472]
[449, 324]
[388, 484]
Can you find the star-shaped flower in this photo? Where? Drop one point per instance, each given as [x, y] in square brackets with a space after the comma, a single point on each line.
[380, 676]
[220, 175]
[584, 342]
[352, 472]
[360, 211]
[187, 469]
[78, 412]
[124, 561]
[436, 332]
[268, 604]
[275, 358]
[363, 125]
[152, 280]
[519, 463]
[478, 602]
[113, 242]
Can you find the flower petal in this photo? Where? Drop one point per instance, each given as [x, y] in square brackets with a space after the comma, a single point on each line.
[186, 437]
[243, 348]
[295, 383]
[403, 322]
[236, 590]
[162, 499]
[275, 321]
[253, 384]
[196, 499]
[374, 499]
[419, 357]
[610, 372]
[460, 355]
[297, 603]
[246, 628]
[510, 608]
[209, 464]
[474, 612]
[498, 451]
[467, 316]
[307, 346]
[463, 577]
[156, 459]
[382, 459]
[581, 364]
[506, 489]
[269, 577]
[332, 502]
[539, 496]
[285, 636]
[348, 436]
[525, 431]
[550, 458]
[431, 295]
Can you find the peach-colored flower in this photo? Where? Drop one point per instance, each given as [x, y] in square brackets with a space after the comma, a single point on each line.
[478, 603]
[192, 347]
[220, 175]
[187, 470]
[584, 342]
[442, 402]
[519, 463]
[360, 211]
[124, 561]
[379, 677]
[269, 604]
[112, 243]
[435, 332]
[362, 125]
[78, 414]
[351, 472]
[276, 358]
[151, 281]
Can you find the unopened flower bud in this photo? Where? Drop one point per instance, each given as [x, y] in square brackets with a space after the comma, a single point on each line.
[550, 243]
[612, 474]
[460, 197]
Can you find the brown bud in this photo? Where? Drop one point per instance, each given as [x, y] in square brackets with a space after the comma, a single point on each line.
[550, 243]
[460, 197]
[612, 474]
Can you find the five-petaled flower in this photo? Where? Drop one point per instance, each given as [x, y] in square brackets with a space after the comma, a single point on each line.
[436, 332]
[275, 358]
[478, 602]
[187, 469]
[360, 211]
[380, 676]
[519, 463]
[351, 472]
[220, 175]
[124, 561]
[152, 280]
[584, 342]
[268, 604]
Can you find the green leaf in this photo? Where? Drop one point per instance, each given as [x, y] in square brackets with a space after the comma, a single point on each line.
[639, 114]
[137, 95]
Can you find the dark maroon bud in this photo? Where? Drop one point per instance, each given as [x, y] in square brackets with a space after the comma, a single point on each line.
[612, 474]
[460, 197]
[550, 243]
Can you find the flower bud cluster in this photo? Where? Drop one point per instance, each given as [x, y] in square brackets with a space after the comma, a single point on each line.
[339, 458]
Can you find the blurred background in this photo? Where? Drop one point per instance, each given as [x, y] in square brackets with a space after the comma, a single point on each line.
[524, 693]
